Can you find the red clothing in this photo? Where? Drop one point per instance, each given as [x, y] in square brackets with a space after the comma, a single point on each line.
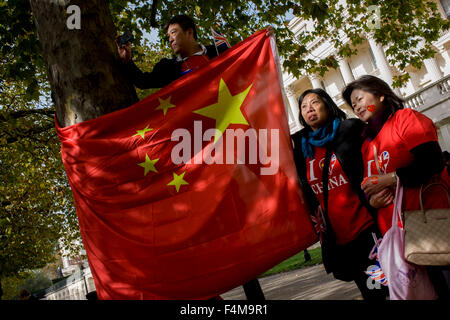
[348, 217]
[402, 132]
[194, 62]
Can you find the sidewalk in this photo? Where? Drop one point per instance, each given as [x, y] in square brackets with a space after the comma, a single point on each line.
[310, 283]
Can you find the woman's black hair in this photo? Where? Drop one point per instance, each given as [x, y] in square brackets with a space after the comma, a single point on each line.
[377, 87]
[333, 110]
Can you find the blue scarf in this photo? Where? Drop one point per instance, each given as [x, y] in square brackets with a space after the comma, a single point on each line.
[318, 138]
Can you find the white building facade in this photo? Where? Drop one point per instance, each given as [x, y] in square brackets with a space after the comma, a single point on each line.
[428, 90]
[74, 287]
[78, 281]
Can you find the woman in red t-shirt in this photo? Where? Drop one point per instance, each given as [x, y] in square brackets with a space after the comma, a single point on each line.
[327, 152]
[399, 144]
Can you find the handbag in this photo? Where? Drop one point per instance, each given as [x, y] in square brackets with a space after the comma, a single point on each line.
[427, 234]
[405, 281]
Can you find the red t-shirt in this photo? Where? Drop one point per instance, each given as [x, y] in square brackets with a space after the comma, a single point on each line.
[404, 131]
[347, 215]
[194, 62]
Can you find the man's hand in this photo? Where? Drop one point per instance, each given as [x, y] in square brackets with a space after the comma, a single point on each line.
[124, 52]
[270, 32]
[381, 199]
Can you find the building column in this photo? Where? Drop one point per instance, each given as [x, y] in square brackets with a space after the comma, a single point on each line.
[433, 69]
[315, 81]
[345, 70]
[382, 62]
[446, 56]
[293, 104]
[413, 82]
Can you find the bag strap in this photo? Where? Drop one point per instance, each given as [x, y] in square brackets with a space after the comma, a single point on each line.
[422, 190]
[325, 174]
[397, 213]
[377, 164]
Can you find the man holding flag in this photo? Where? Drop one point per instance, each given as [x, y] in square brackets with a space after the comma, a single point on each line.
[192, 191]
[182, 37]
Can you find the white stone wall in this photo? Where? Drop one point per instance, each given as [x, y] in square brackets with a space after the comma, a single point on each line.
[75, 288]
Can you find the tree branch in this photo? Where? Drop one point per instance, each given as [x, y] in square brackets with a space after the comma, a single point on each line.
[153, 14]
[28, 133]
[23, 113]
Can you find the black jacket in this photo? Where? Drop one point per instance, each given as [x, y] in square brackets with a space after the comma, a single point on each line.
[163, 73]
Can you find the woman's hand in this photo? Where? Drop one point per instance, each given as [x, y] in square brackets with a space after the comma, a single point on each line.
[374, 184]
[381, 199]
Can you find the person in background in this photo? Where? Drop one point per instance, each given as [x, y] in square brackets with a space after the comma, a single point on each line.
[447, 161]
[400, 144]
[327, 154]
[26, 295]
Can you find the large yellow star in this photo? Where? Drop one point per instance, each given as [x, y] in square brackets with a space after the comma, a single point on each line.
[164, 105]
[177, 181]
[143, 132]
[227, 110]
[148, 165]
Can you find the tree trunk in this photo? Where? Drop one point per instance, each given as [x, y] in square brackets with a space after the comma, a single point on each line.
[83, 65]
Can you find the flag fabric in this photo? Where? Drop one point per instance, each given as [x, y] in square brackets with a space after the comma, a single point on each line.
[219, 39]
[319, 222]
[172, 202]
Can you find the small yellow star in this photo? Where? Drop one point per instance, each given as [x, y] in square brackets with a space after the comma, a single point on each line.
[177, 181]
[164, 105]
[143, 132]
[148, 165]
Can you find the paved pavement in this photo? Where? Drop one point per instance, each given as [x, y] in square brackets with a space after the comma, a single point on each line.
[310, 283]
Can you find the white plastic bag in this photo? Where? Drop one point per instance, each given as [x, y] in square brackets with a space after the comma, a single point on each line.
[405, 281]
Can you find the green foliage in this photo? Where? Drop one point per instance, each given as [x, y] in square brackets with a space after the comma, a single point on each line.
[36, 206]
[20, 54]
[296, 262]
[35, 199]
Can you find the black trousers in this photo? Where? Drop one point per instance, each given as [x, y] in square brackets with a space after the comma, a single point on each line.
[354, 261]
[440, 278]
[253, 291]
[368, 291]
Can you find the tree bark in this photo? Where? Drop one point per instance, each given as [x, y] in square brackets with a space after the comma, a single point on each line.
[83, 65]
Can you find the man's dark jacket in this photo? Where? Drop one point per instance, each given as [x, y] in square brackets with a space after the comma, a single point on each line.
[163, 73]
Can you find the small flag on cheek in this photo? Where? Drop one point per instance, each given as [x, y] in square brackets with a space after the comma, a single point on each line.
[371, 108]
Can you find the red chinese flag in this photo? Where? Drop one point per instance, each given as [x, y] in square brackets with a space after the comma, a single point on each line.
[192, 191]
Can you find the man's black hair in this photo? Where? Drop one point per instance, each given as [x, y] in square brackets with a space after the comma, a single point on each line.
[185, 23]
